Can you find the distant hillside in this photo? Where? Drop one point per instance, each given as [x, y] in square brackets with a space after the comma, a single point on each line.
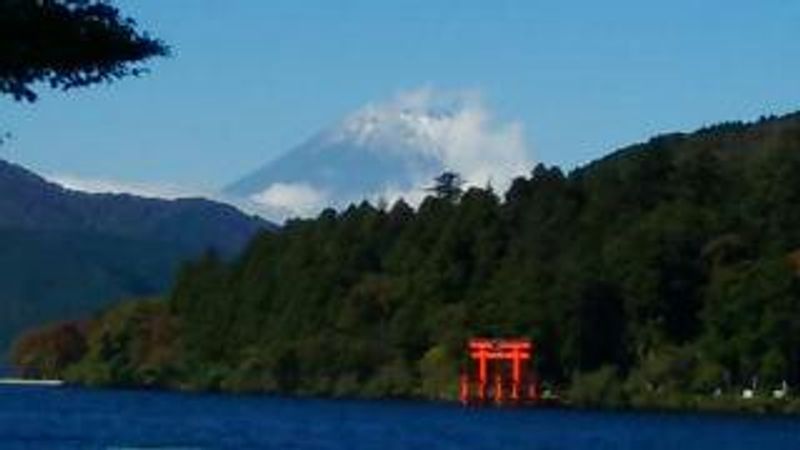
[28, 201]
[656, 276]
[66, 254]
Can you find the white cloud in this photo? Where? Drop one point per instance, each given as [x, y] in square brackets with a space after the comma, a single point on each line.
[283, 200]
[456, 128]
[110, 186]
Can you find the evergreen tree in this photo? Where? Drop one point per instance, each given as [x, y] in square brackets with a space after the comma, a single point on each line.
[67, 44]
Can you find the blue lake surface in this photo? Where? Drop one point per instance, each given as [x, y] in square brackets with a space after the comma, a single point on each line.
[70, 418]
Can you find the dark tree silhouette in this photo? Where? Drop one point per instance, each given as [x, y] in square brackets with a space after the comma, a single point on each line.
[68, 44]
[448, 186]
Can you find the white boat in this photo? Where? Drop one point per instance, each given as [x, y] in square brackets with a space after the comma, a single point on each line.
[26, 382]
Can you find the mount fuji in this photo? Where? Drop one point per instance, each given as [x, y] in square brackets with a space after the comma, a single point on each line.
[385, 152]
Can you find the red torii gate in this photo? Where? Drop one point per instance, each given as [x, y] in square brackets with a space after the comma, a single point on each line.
[490, 354]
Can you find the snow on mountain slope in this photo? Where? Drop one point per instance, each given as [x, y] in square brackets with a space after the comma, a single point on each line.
[387, 151]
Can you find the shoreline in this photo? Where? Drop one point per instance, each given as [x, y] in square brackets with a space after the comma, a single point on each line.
[724, 406]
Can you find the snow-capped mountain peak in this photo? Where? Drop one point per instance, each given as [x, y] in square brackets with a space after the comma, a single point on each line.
[413, 129]
[386, 151]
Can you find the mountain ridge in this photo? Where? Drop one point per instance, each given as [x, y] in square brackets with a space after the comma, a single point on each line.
[32, 202]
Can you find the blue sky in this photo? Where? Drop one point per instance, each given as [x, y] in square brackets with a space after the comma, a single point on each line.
[252, 78]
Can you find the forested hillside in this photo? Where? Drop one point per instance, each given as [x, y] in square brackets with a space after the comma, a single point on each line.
[667, 268]
[66, 254]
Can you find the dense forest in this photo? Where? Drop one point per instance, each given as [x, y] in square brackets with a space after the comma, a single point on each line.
[665, 272]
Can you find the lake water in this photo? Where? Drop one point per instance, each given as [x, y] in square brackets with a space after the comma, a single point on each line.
[67, 418]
